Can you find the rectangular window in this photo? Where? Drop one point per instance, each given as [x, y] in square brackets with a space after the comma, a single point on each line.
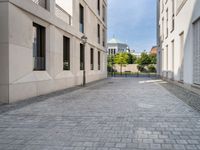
[82, 57]
[173, 15]
[103, 38]
[98, 6]
[196, 53]
[81, 18]
[99, 60]
[167, 23]
[38, 47]
[92, 59]
[66, 53]
[104, 13]
[98, 33]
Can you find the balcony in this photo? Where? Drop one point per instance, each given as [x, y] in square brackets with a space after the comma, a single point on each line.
[42, 3]
[62, 14]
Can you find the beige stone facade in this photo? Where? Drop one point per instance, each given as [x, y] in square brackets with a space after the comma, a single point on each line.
[18, 79]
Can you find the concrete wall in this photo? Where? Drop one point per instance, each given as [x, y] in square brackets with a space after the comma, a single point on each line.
[130, 67]
[18, 81]
[4, 65]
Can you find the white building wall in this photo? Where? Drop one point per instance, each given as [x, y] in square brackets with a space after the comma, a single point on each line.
[18, 81]
[184, 19]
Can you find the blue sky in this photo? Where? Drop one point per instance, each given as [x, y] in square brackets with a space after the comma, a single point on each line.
[134, 22]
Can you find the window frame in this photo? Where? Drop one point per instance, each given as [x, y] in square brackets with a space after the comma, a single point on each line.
[66, 53]
[40, 50]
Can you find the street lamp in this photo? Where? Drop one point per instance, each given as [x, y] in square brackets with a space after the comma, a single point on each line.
[84, 41]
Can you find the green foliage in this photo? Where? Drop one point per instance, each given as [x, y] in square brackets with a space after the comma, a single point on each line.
[153, 58]
[144, 59]
[151, 68]
[131, 58]
[110, 60]
[110, 63]
[141, 68]
[121, 58]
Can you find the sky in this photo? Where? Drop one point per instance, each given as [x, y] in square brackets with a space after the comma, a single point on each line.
[133, 22]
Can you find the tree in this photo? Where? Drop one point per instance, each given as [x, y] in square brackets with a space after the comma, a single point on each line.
[131, 58]
[121, 59]
[151, 68]
[144, 59]
[110, 63]
[153, 58]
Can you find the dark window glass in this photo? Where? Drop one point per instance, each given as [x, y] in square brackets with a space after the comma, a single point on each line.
[98, 6]
[92, 58]
[104, 13]
[104, 37]
[82, 57]
[98, 33]
[99, 60]
[66, 53]
[38, 47]
[81, 18]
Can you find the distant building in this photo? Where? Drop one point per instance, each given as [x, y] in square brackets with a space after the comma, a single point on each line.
[137, 54]
[115, 46]
[154, 50]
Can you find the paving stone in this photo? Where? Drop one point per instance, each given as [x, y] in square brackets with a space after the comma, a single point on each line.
[113, 114]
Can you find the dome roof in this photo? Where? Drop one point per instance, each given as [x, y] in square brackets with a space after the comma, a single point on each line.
[115, 41]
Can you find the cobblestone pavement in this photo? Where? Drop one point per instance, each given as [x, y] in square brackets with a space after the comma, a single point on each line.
[114, 114]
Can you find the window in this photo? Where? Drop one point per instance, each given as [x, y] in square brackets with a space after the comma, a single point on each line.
[98, 6]
[162, 5]
[162, 37]
[173, 16]
[99, 60]
[196, 53]
[98, 33]
[167, 23]
[92, 59]
[38, 47]
[81, 18]
[66, 53]
[82, 57]
[103, 38]
[104, 13]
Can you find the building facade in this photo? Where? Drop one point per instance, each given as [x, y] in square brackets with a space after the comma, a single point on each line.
[43, 46]
[154, 50]
[115, 46]
[178, 42]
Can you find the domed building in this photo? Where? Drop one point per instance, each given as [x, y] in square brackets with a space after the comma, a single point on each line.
[115, 46]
